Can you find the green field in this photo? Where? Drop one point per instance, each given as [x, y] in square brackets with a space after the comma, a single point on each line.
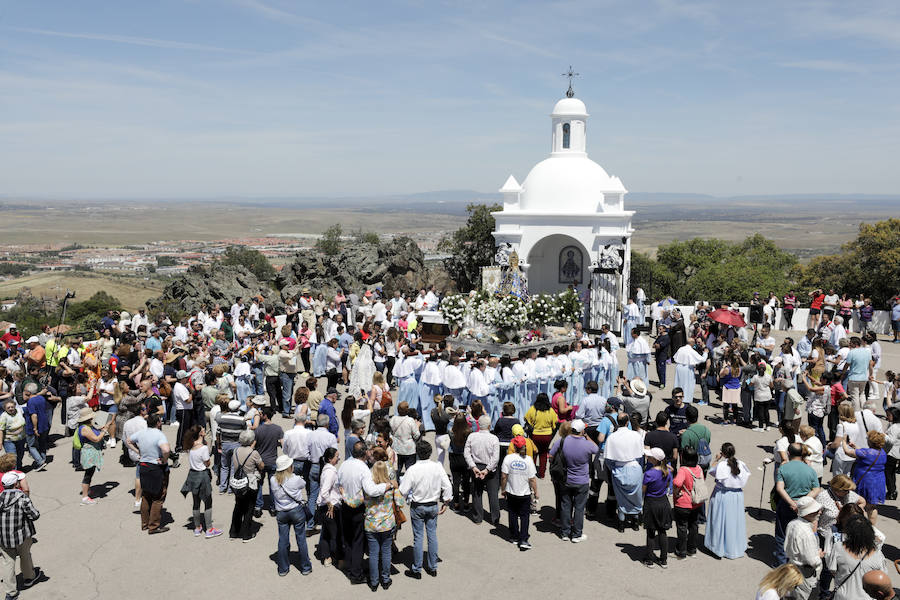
[131, 291]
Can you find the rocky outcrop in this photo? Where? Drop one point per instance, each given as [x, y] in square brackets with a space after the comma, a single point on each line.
[395, 265]
[208, 285]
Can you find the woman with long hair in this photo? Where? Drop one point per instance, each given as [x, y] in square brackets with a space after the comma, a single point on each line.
[542, 421]
[290, 512]
[855, 556]
[330, 548]
[379, 526]
[459, 470]
[558, 402]
[199, 479]
[726, 525]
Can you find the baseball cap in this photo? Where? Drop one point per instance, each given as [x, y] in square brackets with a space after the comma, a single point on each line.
[11, 478]
[578, 426]
[519, 441]
[33, 340]
[181, 374]
[656, 453]
[234, 405]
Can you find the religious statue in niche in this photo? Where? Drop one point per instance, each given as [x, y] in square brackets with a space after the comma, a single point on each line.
[514, 282]
[570, 265]
[501, 256]
[611, 258]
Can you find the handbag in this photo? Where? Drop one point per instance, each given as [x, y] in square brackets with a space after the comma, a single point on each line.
[558, 466]
[386, 399]
[399, 516]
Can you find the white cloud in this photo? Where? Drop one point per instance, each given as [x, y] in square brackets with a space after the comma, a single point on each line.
[132, 40]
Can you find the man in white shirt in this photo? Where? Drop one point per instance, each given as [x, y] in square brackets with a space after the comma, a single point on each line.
[518, 481]
[131, 427]
[431, 299]
[355, 480]
[379, 311]
[801, 545]
[476, 384]
[296, 445]
[765, 342]
[236, 309]
[482, 454]
[829, 304]
[318, 440]
[420, 303]
[424, 485]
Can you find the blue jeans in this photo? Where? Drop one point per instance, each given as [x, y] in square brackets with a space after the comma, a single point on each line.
[379, 555]
[573, 496]
[245, 387]
[34, 448]
[267, 473]
[17, 447]
[817, 424]
[313, 494]
[783, 516]
[287, 391]
[288, 519]
[225, 464]
[258, 383]
[424, 517]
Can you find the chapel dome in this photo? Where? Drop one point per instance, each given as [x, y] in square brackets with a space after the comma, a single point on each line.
[567, 184]
[570, 107]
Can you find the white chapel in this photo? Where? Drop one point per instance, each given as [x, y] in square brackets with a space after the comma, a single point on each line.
[567, 221]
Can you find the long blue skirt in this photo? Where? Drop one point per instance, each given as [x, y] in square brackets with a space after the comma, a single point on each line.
[506, 392]
[521, 399]
[609, 382]
[576, 386]
[637, 368]
[684, 378]
[409, 392]
[457, 394]
[628, 485]
[726, 525]
[427, 392]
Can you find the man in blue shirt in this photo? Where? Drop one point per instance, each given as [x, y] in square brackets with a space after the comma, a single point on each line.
[804, 346]
[153, 342]
[37, 425]
[327, 408]
[591, 409]
[859, 367]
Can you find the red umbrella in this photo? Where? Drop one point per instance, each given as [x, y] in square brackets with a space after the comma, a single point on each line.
[727, 316]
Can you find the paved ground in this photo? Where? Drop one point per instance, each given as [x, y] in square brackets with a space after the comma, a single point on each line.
[99, 551]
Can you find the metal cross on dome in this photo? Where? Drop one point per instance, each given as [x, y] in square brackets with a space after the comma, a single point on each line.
[570, 93]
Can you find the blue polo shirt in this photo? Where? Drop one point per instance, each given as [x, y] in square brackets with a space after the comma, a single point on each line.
[37, 405]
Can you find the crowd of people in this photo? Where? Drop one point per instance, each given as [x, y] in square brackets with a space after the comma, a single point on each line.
[362, 393]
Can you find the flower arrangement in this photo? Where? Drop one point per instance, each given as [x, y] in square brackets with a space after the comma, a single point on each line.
[510, 313]
[453, 309]
[542, 309]
[569, 307]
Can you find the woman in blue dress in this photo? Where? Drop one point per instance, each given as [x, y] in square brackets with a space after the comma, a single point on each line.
[726, 524]
[430, 385]
[638, 352]
[868, 470]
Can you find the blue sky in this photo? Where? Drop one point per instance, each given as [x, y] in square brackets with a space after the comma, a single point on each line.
[201, 98]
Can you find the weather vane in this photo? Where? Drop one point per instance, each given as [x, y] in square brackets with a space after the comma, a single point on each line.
[570, 93]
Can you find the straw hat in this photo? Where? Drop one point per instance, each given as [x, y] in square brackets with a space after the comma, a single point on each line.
[638, 387]
[283, 463]
[85, 414]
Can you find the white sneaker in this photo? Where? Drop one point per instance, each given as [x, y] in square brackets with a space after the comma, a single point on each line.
[88, 501]
[175, 423]
[565, 538]
[525, 546]
[759, 429]
[137, 503]
[580, 538]
[111, 443]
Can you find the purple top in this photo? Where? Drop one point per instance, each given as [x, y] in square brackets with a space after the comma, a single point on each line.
[577, 451]
[657, 485]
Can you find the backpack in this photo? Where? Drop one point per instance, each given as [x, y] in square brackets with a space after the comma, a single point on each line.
[558, 466]
[76, 439]
[699, 491]
[239, 480]
[704, 454]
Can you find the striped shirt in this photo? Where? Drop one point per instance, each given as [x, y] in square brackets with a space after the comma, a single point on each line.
[230, 426]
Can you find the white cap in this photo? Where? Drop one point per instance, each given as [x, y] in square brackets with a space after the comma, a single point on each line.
[656, 453]
[234, 405]
[578, 426]
[33, 340]
[11, 478]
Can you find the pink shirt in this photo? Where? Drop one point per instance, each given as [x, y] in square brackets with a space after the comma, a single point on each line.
[684, 485]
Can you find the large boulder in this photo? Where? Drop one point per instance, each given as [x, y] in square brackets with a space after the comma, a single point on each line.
[208, 285]
[398, 264]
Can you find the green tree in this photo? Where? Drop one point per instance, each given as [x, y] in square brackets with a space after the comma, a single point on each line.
[330, 242]
[471, 247]
[253, 260]
[652, 276]
[868, 265]
[366, 237]
[165, 261]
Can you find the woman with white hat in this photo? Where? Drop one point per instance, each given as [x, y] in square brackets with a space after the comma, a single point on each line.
[657, 510]
[291, 512]
[91, 440]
